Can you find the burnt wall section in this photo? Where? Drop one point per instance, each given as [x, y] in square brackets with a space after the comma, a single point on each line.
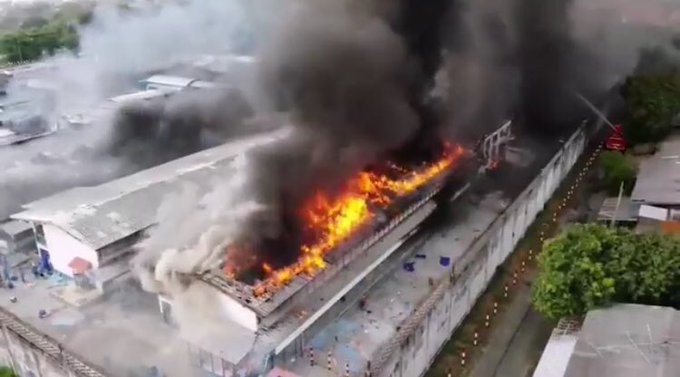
[30, 353]
[424, 333]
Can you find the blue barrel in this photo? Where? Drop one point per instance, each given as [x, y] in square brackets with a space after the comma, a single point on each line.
[445, 261]
[45, 264]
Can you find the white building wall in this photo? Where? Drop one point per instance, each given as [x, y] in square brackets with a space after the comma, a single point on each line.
[63, 248]
[413, 358]
[225, 306]
[237, 312]
[26, 360]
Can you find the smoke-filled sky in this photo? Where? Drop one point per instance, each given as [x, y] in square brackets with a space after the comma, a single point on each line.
[117, 50]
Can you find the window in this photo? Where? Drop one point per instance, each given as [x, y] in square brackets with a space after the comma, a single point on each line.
[166, 312]
[40, 235]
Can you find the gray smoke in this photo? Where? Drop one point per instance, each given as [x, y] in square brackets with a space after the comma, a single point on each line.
[207, 228]
[525, 59]
[344, 78]
[148, 133]
[579, 46]
[477, 81]
[660, 59]
[117, 50]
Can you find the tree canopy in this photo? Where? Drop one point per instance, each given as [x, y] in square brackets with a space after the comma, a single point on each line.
[653, 100]
[652, 94]
[588, 266]
[33, 43]
[618, 168]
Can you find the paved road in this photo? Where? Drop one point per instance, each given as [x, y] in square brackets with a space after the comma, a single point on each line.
[526, 347]
[516, 341]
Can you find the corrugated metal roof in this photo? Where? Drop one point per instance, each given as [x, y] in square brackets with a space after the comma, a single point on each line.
[166, 80]
[628, 340]
[141, 95]
[658, 181]
[101, 215]
[14, 227]
[203, 85]
[626, 211]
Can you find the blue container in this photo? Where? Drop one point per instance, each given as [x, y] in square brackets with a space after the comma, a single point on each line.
[445, 261]
[45, 264]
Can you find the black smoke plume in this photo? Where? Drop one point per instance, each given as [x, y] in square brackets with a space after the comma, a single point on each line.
[346, 80]
[148, 133]
[357, 81]
[553, 67]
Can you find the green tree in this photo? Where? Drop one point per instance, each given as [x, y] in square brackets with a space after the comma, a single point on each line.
[573, 277]
[588, 266]
[617, 169]
[34, 43]
[652, 101]
[7, 372]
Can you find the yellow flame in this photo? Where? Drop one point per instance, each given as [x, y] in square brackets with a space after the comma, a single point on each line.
[336, 220]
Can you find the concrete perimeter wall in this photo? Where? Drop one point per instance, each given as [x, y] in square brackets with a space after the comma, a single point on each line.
[422, 335]
[25, 359]
[32, 354]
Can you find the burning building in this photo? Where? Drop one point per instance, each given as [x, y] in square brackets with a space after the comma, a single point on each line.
[274, 309]
[329, 223]
[99, 225]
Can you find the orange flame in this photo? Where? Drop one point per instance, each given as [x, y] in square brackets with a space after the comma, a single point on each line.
[335, 220]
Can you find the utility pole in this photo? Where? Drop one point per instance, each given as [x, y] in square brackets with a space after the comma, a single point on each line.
[616, 209]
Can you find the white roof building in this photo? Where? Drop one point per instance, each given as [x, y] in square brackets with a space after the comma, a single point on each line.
[624, 340]
[142, 95]
[658, 181]
[222, 64]
[95, 223]
[167, 82]
[176, 83]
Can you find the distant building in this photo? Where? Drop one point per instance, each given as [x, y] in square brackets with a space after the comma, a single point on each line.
[163, 82]
[657, 190]
[5, 78]
[626, 340]
[144, 95]
[224, 64]
[174, 83]
[16, 237]
[623, 211]
[82, 232]
[658, 182]
[86, 118]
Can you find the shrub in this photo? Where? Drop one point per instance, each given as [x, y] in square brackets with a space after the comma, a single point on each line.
[617, 169]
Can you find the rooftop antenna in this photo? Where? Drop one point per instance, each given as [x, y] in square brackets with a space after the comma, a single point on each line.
[595, 110]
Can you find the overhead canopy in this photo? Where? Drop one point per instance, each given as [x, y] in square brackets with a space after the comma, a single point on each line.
[278, 372]
[79, 265]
